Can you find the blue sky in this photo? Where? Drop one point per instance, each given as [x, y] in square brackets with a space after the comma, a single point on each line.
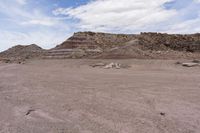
[50, 22]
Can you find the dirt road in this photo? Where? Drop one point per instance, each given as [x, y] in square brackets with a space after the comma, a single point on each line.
[69, 96]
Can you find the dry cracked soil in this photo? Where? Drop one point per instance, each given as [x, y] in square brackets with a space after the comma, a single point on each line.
[69, 96]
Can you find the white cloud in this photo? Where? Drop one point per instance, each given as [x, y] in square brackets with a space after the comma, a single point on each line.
[117, 14]
[39, 22]
[188, 26]
[198, 1]
[21, 2]
[22, 16]
[27, 26]
[45, 39]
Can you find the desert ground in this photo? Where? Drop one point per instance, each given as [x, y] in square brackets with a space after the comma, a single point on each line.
[70, 96]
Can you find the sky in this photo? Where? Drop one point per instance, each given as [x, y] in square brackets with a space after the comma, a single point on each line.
[47, 23]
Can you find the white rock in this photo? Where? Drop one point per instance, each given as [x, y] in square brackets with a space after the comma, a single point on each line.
[190, 64]
[113, 65]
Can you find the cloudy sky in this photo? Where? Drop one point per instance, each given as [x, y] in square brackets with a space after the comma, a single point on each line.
[49, 22]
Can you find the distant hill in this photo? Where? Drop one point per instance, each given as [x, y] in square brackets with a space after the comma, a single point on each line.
[24, 52]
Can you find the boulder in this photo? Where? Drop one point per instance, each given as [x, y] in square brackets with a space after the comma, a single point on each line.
[196, 61]
[190, 64]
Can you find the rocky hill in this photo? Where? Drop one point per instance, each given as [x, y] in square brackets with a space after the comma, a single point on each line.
[158, 41]
[105, 45]
[22, 52]
[91, 40]
[147, 41]
[144, 45]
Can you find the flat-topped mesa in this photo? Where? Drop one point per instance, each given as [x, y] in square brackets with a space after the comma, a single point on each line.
[147, 41]
[145, 45]
[92, 40]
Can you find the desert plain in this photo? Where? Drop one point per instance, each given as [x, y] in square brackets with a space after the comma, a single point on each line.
[70, 96]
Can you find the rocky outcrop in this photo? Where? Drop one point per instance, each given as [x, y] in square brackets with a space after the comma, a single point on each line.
[105, 45]
[147, 41]
[89, 44]
[144, 45]
[91, 40]
[158, 41]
